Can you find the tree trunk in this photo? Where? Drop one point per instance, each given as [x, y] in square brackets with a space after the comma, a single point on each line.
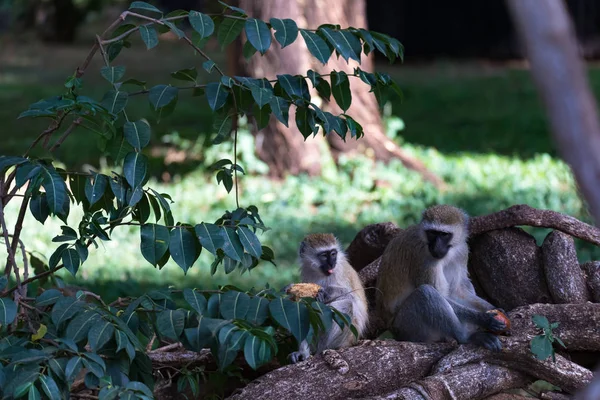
[283, 148]
[364, 108]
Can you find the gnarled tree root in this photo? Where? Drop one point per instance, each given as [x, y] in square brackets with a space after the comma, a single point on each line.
[441, 370]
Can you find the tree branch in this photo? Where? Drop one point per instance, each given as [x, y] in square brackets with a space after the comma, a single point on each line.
[561, 79]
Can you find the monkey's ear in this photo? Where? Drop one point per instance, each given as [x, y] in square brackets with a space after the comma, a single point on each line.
[302, 247]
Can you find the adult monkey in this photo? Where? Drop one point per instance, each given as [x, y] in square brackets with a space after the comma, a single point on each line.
[424, 292]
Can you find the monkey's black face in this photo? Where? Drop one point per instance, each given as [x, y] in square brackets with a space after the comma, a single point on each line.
[327, 261]
[438, 243]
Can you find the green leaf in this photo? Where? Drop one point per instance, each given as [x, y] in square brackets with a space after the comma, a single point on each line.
[183, 247]
[229, 30]
[541, 347]
[100, 334]
[210, 236]
[8, 311]
[250, 241]
[155, 241]
[134, 168]
[10, 161]
[50, 387]
[263, 93]
[205, 333]
[142, 5]
[258, 310]
[291, 315]
[222, 124]
[186, 74]
[80, 325]
[174, 29]
[115, 101]
[294, 86]
[95, 190]
[336, 124]
[305, 121]
[202, 23]
[73, 368]
[47, 298]
[316, 46]
[195, 299]
[4, 280]
[541, 321]
[39, 207]
[56, 189]
[280, 108]
[71, 260]
[168, 215]
[248, 50]
[170, 323]
[231, 339]
[234, 305]
[64, 309]
[344, 42]
[286, 30]
[34, 393]
[137, 133]
[256, 351]
[141, 388]
[340, 86]
[113, 74]
[258, 34]
[356, 129]
[262, 116]
[162, 95]
[118, 148]
[149, 36]
[216, 94]
[232, 246]
[233, 8]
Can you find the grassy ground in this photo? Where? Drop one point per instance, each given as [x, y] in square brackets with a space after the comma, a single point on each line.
[480, 127]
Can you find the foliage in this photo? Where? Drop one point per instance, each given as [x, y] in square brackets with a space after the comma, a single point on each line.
[51, 341]
[542, 346]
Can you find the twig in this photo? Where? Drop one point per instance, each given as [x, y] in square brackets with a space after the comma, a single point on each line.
[66, 133]
[11, 262]
[166, 348]
[17, 232]
[203, 54]
[150, 343]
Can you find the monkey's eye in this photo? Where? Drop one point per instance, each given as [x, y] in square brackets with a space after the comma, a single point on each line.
[333, 253]
[323, 257]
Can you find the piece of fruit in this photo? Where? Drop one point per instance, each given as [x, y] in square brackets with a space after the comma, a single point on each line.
[500, 316]
[299, 290]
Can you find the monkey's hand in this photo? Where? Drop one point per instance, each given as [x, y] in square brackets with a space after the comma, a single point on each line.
[487, 340]
[323, 296]
[494, 324]
[298, 356]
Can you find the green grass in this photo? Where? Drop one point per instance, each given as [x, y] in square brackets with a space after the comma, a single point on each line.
[481, 129]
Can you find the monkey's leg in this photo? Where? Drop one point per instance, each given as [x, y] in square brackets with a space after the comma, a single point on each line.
[426, 316]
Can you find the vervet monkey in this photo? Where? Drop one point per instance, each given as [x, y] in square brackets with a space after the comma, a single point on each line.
[424, 292]
[322, 261]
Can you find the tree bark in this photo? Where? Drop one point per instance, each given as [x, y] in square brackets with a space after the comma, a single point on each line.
[439, 371]
[282, 148]
[561, 79]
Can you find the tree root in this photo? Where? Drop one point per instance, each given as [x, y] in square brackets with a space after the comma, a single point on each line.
[442, 370]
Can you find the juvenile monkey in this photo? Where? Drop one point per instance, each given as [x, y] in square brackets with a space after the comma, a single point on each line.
[424, 292]
[322, 261]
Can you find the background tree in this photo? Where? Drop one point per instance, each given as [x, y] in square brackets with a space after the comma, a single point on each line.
[282, 148]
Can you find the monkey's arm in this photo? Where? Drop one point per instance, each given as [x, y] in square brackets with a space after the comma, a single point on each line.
[469, 297]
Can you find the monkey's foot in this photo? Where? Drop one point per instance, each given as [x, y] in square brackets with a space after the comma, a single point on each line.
[487, 340]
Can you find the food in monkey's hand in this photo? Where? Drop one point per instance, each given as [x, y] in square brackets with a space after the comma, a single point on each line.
[299, 290]
[502, 317]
